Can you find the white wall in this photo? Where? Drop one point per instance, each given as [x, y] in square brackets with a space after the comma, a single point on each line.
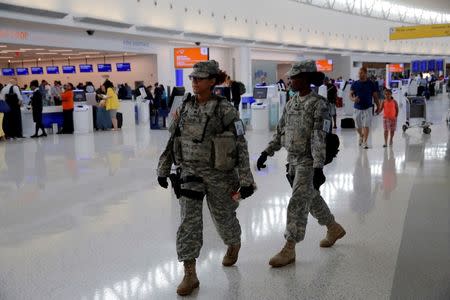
[143, 68]
[283, 21]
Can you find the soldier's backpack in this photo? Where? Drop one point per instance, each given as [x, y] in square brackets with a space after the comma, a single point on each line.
[332, 147]
[242, 89]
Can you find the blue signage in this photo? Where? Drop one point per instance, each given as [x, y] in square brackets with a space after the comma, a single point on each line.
[104, 67]
[8, 72]
[123, 67]
[87, 68]
[52, 70]
[68, 69]
[22, 71]
[37, 70]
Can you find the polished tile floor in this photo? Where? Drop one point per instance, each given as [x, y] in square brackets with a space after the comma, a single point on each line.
[82, 217]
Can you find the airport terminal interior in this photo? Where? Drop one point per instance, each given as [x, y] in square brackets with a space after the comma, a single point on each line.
[83, 214]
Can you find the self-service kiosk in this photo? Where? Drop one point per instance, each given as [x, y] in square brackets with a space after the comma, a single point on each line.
[266, 109]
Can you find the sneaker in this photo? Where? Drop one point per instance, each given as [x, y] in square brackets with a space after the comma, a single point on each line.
[365, 146]
[360, 141]
[384, 146]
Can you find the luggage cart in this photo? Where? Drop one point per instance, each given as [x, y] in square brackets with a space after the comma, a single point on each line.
[416, 108]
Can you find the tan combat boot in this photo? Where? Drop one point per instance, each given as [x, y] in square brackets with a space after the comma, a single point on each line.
[231, 256]
[285, 257]
[190, 281]
[335, 232]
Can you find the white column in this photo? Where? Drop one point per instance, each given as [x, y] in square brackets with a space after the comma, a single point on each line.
[243, 65]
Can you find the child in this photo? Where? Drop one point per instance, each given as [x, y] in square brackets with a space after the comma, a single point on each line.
[390, 107]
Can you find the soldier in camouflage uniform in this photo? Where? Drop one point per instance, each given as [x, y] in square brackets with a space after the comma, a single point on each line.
[209, 147]
[302, 131]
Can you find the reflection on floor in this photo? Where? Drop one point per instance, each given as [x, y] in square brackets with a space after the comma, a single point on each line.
[82, 217]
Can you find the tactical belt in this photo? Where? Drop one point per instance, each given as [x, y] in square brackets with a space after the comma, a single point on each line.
[190, 178]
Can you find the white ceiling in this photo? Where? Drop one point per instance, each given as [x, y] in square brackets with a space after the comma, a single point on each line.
[435, 5]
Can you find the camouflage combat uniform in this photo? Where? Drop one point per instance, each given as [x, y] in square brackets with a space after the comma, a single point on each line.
[192, 151]
[302, 131]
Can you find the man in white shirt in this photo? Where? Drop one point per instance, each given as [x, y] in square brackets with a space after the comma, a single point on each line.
[12, 123]
[323, 89]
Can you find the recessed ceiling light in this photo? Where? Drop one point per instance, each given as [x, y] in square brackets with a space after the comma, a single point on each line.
[62, 50]
[47, 53]
[84, 53]
[5, 57]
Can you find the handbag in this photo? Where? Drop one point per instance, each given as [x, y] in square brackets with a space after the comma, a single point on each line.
[4, 107]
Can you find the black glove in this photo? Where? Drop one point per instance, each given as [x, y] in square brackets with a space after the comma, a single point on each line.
[246, 191]
[163, 182]
[261, 160]
[318, 178]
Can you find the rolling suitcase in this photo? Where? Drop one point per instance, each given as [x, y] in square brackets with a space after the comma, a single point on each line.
[103, 119]
[119, 120]
[347, 123]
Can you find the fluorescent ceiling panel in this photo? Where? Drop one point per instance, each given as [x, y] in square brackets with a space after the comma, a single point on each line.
[11, 8]
[201, 35]
[158, 30]
[237, 40]
[102, 22]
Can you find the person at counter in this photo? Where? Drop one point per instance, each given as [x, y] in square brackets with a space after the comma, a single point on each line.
[67, 104]
[37, 106]
[112, 103]
[55, 93]
[12, 122]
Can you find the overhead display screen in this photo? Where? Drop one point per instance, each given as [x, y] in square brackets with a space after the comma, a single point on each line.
[8, 72]
[415, 66]
[68, 69]
[188, 57]
[324, 65]
[104, 67]
[86, 68]
[123, 67]
[52, 70]
[37, 70]
[22, 71]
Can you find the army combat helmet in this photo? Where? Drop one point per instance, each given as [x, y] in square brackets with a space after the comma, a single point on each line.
[308, 67]
[205, 69]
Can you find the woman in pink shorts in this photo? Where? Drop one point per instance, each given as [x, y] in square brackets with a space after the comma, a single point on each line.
[390, 108]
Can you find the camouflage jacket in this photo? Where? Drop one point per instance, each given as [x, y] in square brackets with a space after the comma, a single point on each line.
[302, 130]
[196, 132]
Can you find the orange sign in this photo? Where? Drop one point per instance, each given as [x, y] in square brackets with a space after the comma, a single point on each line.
[396, 68]
[324, 65]
[188, 57]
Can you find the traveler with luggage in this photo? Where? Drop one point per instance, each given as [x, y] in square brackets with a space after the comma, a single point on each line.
[37, 106]
[12, 122]
[112, 103]
[303, 130]
[208, 146]
[362, 93]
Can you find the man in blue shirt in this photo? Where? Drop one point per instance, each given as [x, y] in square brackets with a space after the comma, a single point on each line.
[362, 92]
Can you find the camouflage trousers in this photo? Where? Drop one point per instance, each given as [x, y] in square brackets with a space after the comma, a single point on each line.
[304, 200]
[217, 187]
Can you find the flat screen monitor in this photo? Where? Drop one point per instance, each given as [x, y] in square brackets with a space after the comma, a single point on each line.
[431, 65]
[26, 96]
[423, 66]
[68, 69]
[8, 72]
[52, 70]
[22, 71]
[259, 93]
[440, 65]
[223, 91]
[79, 96]
[415, 66]
[86, 68]
[123, 67]
[394, 84]
[37, 70]
[176, 91]
[324, 65]
[104, 67]
[188, 57]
